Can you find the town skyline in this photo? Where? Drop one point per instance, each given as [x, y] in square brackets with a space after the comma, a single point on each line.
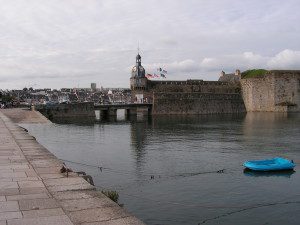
[74, 43]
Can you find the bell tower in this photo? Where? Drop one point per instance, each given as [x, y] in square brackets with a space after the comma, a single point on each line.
[138, 80]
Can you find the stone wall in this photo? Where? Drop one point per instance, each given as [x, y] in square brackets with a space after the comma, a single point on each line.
[194, 86]
[196, 103]
[188, 86]
[191, 97]
[71, 111]
[277, 91]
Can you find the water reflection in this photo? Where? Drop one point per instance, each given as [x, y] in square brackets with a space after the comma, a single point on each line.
[261, 121]
[163, 120]
[138, 137]
[88, 121]
[272, 133]
[282, 173]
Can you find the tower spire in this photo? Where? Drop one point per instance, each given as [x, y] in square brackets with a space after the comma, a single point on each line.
[138, 70]
[138, 57]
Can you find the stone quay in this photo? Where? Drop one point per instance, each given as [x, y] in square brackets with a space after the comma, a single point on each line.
[33, 191]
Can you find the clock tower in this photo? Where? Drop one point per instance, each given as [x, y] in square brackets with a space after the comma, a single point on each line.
[138, 81]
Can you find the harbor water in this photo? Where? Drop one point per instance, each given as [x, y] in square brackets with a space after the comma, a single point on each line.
[187, 170]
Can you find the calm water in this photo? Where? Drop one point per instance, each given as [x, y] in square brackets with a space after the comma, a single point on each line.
[183, 154]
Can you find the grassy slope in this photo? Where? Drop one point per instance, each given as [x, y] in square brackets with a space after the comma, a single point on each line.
[253, 73]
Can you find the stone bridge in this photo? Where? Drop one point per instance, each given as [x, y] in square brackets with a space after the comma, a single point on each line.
[110, 110]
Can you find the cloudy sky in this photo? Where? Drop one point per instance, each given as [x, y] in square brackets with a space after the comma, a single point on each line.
[71, 43]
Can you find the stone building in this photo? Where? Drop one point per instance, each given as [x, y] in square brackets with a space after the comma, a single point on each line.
[231, 77]
[93, 87]
[138, 81]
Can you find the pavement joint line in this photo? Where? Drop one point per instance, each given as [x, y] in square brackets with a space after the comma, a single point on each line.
[97, 207]
[11, 211]
[123, 217]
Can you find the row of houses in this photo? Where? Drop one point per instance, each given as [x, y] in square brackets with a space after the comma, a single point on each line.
[30, 96]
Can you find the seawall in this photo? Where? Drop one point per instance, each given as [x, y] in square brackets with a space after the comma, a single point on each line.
[24, 115]
[197, 103]
[34, 191]
[68, 111]
[276, 91]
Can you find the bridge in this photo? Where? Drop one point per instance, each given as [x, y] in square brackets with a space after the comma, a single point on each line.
[110, 110]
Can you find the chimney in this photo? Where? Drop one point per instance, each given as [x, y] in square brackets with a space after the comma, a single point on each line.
[238, 73]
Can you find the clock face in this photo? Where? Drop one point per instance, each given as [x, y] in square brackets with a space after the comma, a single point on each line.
[134, 69]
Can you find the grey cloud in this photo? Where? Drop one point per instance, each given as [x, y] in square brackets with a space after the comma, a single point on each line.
[191, 39]
[47, 76]
[286, 59]
[171, 41]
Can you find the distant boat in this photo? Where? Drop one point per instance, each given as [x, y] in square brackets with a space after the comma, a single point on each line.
[273, 164]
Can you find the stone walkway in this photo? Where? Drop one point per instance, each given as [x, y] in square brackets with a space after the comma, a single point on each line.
[34, 192]
[24, 115]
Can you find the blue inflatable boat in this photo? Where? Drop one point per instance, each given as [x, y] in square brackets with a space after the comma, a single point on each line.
[270, 164]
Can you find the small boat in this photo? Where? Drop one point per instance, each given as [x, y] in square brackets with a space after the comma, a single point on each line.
[274, 164]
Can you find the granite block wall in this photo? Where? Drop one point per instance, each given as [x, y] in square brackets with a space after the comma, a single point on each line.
[180, 103]
[277, 91]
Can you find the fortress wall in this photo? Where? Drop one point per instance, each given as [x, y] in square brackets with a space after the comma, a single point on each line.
[188, 86]
[258, 94]
[193, 86]
[287, 90]
[277, 91]
[84, 110]
[196, 103]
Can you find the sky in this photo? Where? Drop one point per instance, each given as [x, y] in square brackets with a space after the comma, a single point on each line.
[72, 43]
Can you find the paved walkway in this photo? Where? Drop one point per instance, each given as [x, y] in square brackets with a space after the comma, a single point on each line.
[24, 115]
[34, 192]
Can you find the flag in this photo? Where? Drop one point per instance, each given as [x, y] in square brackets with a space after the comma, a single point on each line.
[149, 76]
[162, 72]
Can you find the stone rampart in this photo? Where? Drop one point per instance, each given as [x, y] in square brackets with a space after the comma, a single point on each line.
[193, 86]
[276, 91]
[196, 103]
[188, 86]
[71, 111]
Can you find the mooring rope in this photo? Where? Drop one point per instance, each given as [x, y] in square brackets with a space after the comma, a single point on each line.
[249, 208]
[238, 208]
[209, 206]
[151, 175]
